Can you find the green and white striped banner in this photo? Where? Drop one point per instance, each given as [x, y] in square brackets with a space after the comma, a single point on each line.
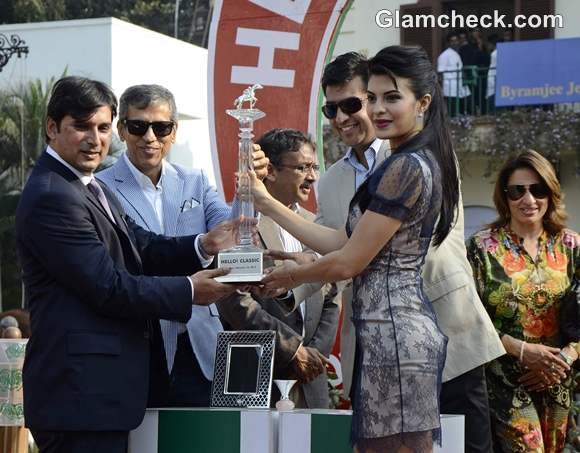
[318, 431]
[205, 431]
[260, 431]
[314, 431]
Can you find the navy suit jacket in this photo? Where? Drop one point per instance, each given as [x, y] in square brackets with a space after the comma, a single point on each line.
[91, 293]
[191, 205]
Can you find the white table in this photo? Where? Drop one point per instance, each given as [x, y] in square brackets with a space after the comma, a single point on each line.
[260, 431]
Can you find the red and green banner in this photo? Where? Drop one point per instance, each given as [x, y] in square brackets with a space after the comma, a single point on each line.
[283, 45]
[280, 44]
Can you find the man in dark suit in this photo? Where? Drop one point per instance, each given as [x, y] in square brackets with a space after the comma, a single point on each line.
[93, 281]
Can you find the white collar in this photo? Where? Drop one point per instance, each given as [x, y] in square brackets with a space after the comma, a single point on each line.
[374, 147]
[451, 51]
[85, 179]
[143, 180]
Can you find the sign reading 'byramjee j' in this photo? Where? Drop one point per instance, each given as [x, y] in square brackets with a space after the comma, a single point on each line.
[279, 44]
[543, 71]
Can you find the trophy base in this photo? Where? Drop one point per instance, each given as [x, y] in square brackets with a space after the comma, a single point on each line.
[245, 264]
[240, 278]
[285, 405]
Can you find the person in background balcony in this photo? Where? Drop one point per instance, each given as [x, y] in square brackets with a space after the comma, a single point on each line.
[450, 68]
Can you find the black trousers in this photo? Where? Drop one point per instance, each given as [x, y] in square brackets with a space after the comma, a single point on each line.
[467, 395]
[81, 441]
[188, 387]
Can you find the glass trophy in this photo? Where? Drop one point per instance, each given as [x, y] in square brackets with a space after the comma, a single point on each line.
[245, 260]
[285, 403]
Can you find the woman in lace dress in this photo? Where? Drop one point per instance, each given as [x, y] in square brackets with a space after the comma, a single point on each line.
[392, 220]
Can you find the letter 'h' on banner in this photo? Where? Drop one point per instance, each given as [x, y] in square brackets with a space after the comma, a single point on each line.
[280, 44]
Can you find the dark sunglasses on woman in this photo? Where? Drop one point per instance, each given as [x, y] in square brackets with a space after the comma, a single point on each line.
[516, 191]
[140, 128]
[348, 106]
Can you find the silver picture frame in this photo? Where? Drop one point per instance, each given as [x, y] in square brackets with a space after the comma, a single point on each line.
[243, 369]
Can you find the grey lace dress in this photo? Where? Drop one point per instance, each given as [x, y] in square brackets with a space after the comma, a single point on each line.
[400, 350]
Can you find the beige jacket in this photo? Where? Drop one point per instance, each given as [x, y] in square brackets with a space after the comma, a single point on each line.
[448, 283]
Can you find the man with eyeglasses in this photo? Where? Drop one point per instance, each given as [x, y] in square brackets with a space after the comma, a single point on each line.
[447, 277]
[306, 335]
[169, 199]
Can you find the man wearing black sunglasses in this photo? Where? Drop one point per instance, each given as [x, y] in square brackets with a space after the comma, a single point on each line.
[344, 83]
[447, 275]
[175, 201]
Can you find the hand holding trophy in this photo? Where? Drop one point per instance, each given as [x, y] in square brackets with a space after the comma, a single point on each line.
[245, 259]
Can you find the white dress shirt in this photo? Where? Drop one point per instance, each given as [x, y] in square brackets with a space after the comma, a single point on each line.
[153, 193]
[85, 179]
[361, 173]
[491, 74]
[450, 65]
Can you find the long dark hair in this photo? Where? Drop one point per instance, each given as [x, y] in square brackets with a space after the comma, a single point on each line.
[412, 63]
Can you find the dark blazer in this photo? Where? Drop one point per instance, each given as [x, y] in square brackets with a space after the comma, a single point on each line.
[90, 302]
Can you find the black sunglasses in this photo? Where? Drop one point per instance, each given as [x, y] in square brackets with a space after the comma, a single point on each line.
[140, 128]
[516, 191]
[348, 106]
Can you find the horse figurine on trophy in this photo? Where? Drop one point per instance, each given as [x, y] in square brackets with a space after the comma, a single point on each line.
[244, 260]
[248, 95]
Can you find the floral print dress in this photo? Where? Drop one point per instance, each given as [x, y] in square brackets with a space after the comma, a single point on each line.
[522, 297]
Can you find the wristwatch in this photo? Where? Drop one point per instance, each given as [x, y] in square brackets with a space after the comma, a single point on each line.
[566, 358]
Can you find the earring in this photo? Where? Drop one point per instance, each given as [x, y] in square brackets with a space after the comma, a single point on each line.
[420, 115]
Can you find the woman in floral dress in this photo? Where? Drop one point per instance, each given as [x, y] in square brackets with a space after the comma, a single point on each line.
[523, 264]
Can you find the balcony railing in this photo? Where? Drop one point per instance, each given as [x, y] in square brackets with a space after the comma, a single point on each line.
[471, 91]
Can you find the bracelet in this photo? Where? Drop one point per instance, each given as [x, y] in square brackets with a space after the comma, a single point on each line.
[523, 343]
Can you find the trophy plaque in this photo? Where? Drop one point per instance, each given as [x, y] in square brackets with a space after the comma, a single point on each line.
[245, 260]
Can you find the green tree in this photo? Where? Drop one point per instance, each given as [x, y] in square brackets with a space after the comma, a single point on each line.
[22, 116]
[157, 15]
[9, 132]
[38, 10]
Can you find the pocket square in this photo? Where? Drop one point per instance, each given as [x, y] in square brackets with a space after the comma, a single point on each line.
[189, 204]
